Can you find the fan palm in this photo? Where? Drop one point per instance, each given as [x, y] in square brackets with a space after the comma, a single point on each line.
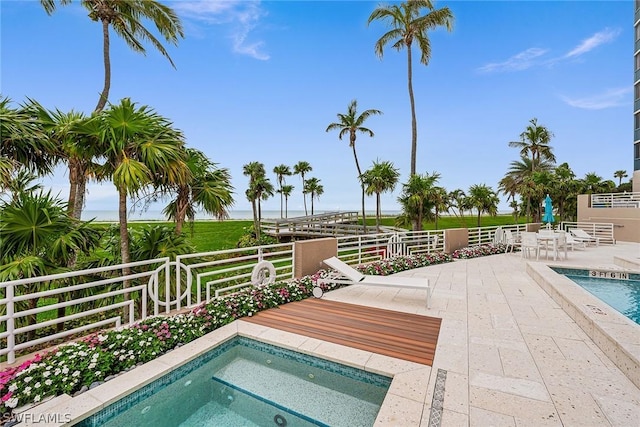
[126, 17]
[23, 142]
[314, 189]
[281, 171]
[350, 124]
[484, 199]
[381, 178]
[142, 150]
[416, 199]
[302, 168]
[407, 24]
[257, 177]
[208, 188]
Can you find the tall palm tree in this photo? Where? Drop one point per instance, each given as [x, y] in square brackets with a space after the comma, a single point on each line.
[484, 199]
[534, 141]
[408, 24]
[620, 174]
[256, 173]
[381, 178]
[126, 18]
[208, 188]
[457, 199]
[286, 191]
[302, 168]
[416, 200]
[281, 171]
[142, 150]
[350, 124]
[314, 189]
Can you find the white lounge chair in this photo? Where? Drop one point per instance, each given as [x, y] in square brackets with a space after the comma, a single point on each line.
[582, 236]
[350, 275]
[529, 241]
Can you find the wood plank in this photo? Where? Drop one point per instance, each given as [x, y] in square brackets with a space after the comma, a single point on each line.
[391, 333]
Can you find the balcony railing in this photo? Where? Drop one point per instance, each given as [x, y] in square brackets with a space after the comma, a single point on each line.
[615, 200]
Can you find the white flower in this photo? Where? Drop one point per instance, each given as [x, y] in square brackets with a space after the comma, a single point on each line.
[27, 391]
[57, 372]
[65, 370]
[98, 373]
[11, 403]
[46, 373]
[36, 385]
[75, 374]
[27, 379]
[48, 382]
[91, 365]
[37, 398]
[13, 387]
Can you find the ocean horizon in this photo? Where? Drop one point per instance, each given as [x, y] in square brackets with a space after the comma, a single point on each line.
[155, 215]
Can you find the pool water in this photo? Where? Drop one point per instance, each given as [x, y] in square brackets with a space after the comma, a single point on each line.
[623, 294]
[248, 383]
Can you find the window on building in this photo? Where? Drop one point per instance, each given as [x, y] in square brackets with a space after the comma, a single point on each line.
[637, 4]
[636, 116]
[637, 58]
[637, 90]
[636, 150]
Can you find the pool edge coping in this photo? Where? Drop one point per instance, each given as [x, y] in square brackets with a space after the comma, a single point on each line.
[86, 404]
[597, 319]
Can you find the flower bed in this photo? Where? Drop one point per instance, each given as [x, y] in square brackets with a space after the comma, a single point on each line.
[78, 366]
[478, 251]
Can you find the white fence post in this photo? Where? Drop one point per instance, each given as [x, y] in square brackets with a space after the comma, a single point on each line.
[11, 338]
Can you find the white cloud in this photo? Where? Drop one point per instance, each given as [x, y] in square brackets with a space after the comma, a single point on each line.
[608, 99]
[605, 36]
[241, 16]
[518, 62]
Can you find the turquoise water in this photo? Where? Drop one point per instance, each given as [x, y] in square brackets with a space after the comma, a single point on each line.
[623, 294]
[249, 383]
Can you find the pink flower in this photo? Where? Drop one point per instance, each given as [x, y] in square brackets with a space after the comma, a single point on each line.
[6, 397]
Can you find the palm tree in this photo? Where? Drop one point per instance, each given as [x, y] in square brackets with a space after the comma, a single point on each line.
[209, 189]
[301, 168]
[37, 238]
[484, 199]
[281, 171]
[126, 17]
[592, 183]
[407, 24]
[350, 124]
[416, 199]
[264, 189]
[535, 141]
[519, 180]
[76, 148]
[23, 143]
[382, 177]
[457, 199]
[314, 188]
[286, 192]
[141, 149]
[440, 200]
[254, 170]
[620, 174]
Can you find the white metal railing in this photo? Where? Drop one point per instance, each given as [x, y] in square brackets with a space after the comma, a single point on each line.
[602, 230]
[493, 234]
[97, 297]
[86, 294]
[615, 200]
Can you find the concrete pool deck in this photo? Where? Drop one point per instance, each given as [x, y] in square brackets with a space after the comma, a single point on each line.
[508, 354]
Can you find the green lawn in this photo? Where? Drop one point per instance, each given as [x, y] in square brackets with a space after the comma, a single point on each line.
[210, 236]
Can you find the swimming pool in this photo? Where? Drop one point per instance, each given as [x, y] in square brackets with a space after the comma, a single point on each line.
[619, 289]
[244, 382]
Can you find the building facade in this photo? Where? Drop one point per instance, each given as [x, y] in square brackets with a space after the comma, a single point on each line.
[636, 100]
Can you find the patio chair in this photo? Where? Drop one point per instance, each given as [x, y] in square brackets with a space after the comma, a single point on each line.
[510, 240]
[529, 241]
[350, 276]
[582, 236]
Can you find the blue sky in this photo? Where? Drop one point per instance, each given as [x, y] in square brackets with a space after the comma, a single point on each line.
[260, 81]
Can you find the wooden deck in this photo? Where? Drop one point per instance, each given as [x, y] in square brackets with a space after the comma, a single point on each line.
[391, 333]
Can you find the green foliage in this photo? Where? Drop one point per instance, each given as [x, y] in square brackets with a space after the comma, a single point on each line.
[249, 239]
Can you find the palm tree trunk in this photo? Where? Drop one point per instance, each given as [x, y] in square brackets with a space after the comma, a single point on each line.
[286, 207]
[80, 192]
[124, 244]
[256, 224]
[478, 217]
[104, 95]
[378, 212]
[73, 186]
[355, 156]
[304, 196]
[311, 203]
[414, 124]
[181, 209]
